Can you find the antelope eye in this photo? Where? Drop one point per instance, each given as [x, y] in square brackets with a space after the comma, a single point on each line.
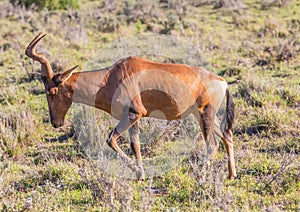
[52, 91]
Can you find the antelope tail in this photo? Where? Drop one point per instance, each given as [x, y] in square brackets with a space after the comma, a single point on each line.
[228, 120]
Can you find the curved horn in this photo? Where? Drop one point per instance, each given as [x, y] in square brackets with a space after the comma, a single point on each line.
[46, 69]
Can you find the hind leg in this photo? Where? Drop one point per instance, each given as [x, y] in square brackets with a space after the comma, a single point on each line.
[206, 121]
[229, 148]
[228, 142]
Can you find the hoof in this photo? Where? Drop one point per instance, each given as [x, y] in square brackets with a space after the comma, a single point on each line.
[140, 175]
[231, 177]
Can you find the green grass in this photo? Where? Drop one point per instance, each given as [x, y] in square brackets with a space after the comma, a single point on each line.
[256, 49]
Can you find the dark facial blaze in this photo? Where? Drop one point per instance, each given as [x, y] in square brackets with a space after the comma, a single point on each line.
[58, 100]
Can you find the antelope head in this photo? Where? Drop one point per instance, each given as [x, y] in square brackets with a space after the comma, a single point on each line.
[58, 94]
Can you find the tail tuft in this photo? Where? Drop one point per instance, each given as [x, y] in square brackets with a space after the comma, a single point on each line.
[228, 120]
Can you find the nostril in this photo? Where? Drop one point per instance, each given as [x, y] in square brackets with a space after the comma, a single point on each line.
[57, 125]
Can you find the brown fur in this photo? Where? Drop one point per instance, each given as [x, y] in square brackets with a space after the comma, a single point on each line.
[133, 88]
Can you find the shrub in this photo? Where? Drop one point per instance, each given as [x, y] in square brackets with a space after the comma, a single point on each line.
[49, 4]
[15, 129]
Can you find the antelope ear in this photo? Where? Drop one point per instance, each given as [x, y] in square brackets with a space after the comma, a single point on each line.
[67, 74]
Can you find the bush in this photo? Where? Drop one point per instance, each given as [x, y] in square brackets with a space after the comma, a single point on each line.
[49, 4]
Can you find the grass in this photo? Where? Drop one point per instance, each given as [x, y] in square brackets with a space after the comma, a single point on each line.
[255, 48]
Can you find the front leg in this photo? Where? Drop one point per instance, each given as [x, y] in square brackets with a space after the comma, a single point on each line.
[128, 120]
[135, 146]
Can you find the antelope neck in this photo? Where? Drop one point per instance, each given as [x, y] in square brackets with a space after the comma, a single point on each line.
[87, 87]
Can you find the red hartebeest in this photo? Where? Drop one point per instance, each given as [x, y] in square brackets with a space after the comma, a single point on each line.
[133, 88]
